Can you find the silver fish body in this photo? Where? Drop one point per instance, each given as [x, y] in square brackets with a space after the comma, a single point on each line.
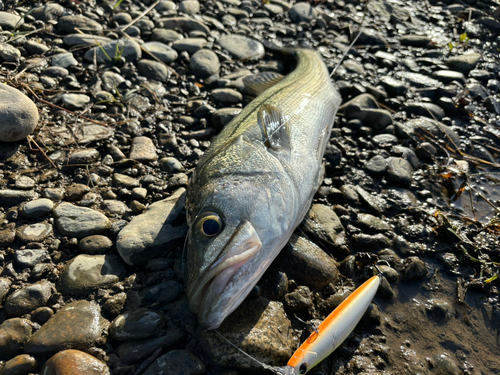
[253, 186]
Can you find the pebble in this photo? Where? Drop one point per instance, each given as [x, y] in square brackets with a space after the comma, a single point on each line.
[185, 24]
[204, 63]
[71, 24]
[74, 362]
[8, 21]
[153, 70]
[372, 223]
[189, 7]
[171, 165]
[79, 222]
[85, 40]
[400, 171]
[447, 76]
[77, 325]
[34, 232]
[223, 116]
[443, 364]
[114, 207]
[18, 114]
[242, 47]
[226, 96]
[177, 362]
[415, 40]
[299, 300]
[190, 45]
[4, 288]
[35, 48]
[165, 35]
[413, 269]
[128, 49]
[247, 328]
[20, 365]
[37, 208]
[463, 63]
[143, 150]
[7, 236]
[27, 299]
[9, 53]
[95, 244]
[373, 202]
[153, 232]
[394, 87]
[14, 333]
[418, 80]
[438, 310]
[161, 51]
[302, 12]
[376, 166]
[24, 183]
[30, 257]
[84, 273]
[323, 225]
[48, 12]
[363, 242]
[138, 324]
[63, 60]
[75, 102]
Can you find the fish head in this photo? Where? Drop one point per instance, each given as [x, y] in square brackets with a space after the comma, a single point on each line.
[236, 230]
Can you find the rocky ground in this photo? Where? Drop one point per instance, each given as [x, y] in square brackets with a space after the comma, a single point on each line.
[106, 108]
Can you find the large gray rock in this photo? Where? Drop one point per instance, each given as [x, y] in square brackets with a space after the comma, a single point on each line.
[153, 232]
[78, 221]
[18, 114]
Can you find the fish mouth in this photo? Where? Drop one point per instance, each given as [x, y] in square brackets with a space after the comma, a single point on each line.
[239, 249]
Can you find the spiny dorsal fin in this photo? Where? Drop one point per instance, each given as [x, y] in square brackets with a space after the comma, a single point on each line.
[276, 128]
[258, 83]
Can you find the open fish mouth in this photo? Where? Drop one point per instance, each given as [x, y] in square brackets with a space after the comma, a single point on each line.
[239, 249]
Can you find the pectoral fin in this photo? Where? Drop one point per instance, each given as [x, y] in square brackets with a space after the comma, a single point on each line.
[258, 83]
[276, 128]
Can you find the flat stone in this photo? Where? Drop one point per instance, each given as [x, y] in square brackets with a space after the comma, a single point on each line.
[165, 35]
[226, 96]
[75, 101]
[37, 208]
[153, 70]
[190, 45]
[308, 264]
[27, 299]
[153, 232]
[372, 223]
[14, 333]
[143, 150]
[85, 156]
[161, 51]
[9, 198]
[85, 39]
[34, 232]
[447, 76]
[20, 365]
[241, 47]
[87, 272]
[9, 21]
[137, 324]
[80, 222]
[204, 63]
[176, 362]
[48, 12]
[29, 257]
[418, 80]
[185, 24]
[72, 23]
[63, 60]
[9, 53]
[130, 50]
[78, 325]
[414, 40]
[74, 362]
[171, 165]
[18, 115]
[400, 171]
[7, 236]
[223, 116]
[189, 7]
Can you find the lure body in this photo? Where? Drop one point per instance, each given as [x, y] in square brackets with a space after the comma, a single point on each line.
[333, 330]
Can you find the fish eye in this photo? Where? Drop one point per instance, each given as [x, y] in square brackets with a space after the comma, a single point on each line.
[303, 368]
[210, 225]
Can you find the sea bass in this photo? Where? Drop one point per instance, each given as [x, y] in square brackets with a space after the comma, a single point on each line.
[254, 185]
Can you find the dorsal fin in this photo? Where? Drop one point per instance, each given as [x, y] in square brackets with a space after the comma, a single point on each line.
[276, 128]
[258, 83]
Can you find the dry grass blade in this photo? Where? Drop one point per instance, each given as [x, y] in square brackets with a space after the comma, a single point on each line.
[30, 139]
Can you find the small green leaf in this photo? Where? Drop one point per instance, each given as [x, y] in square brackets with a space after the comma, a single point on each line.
[464, 38]
[493, 278]
[450, 46]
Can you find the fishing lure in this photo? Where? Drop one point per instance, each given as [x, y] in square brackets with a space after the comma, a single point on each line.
[333, 330]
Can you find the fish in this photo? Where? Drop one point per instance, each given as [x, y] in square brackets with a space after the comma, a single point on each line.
[255, 183]
[333, 330]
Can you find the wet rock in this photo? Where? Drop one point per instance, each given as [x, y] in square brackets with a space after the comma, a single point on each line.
[333, 301]
[161, 51]
[74, 362]
[138, 350]
[389, 273]
[153, 232]
[190, 45]
[176, 362]
[204, 63]
[79, 222]
[413, 269]
[385, 290]
[438, 310]
[8, 21]
[30, 257]
[376, 166]
[442, 364]
[137, 324]
[423, 126]
[371, 37]
[364, 242]
[77, 325]
[247, 328]
[492, 105]
[241, 47]
[418, 80]
[302, 11]
[393, 86]
[20, 365]
[47, 12]
[424, 109]
[323, 225]
[14, 333]
[72, 23]
[4, 288]
[463, 63]
[128, 49]
[37, 208]
[18, 115]
[384, 140]
[391, 257]
[372, 223]
[415, 40]
[447, 76]
[27, 299]
[143, 150]
[95, 244]
[371, 201]
[275, 283]
[308, 264]
[34, 232]
[86, 272]
[400, 171]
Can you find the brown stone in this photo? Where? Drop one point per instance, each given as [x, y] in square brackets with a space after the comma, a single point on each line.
[74, 362]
